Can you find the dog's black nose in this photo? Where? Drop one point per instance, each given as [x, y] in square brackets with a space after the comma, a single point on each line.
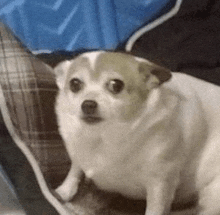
[89, 106]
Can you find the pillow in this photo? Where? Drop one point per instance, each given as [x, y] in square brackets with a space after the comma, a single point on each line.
[27, 96]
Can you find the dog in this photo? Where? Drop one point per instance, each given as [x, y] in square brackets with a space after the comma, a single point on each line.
[138, 129]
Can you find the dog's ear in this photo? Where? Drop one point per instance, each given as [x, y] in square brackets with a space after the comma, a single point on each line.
[61, 72]
[153, 74]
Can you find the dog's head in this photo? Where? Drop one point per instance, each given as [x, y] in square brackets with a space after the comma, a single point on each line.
[99, 86]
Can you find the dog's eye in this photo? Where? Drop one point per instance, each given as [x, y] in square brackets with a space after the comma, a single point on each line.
[115, 86]
[76, 85]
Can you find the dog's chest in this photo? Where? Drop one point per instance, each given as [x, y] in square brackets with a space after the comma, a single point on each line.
[103, 150]
[113, 161]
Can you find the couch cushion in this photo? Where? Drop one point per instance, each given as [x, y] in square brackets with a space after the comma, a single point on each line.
[29, 91]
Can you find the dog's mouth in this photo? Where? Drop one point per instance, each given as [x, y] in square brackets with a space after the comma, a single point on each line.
[90, 119]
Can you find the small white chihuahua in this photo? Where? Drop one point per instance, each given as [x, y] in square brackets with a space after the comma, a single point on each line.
[133, 129]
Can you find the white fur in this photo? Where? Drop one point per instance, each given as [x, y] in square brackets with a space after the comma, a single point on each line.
[92, 56]
[168, 151]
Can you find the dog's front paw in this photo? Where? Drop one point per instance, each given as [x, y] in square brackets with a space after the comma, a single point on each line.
[67, 191]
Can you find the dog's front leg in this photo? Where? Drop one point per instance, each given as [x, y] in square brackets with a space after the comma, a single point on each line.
[160, 195]
[69, 187]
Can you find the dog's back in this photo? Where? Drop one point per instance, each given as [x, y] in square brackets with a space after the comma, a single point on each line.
[207, 96]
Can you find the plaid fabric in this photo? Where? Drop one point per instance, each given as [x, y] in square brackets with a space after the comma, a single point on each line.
[29, 89]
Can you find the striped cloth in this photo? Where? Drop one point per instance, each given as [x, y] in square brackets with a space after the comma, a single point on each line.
[29, 91]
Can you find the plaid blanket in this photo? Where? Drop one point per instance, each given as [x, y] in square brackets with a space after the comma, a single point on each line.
[29, 89]
[27, 96]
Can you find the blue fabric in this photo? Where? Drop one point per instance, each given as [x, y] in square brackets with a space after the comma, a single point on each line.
[78, 24]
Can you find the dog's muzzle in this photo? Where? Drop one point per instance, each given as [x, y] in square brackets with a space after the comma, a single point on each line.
[90, 109]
